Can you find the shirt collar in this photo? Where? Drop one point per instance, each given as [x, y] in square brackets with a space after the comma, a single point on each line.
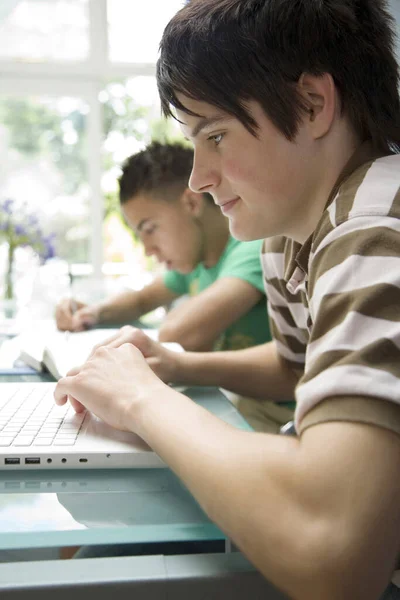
[299, 254]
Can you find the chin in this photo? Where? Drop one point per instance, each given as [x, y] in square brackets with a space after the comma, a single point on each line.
[244, 234]
[184, 270]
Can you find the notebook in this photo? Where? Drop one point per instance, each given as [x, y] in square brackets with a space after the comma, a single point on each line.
[36, 436]
[46, 348]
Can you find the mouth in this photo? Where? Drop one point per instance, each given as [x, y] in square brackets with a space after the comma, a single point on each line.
[228, 205]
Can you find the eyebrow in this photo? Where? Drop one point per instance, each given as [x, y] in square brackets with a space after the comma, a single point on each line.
[208, 122]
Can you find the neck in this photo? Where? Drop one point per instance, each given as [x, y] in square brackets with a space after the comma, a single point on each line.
[329, 160]
[215, 230]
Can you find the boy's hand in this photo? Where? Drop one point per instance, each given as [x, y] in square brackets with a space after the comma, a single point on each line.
[72, 315]
[113, 383]
[164, 362]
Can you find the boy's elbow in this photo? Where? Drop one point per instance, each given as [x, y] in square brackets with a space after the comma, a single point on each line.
[326, 564]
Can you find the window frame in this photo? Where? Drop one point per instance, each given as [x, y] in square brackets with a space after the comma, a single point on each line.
[84, 79]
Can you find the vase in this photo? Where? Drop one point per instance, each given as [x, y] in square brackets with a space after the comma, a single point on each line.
[8, 304]
[9, 278]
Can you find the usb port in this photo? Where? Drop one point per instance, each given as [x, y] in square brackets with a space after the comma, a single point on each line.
[83, 460]
[31, 460]
[12, 461]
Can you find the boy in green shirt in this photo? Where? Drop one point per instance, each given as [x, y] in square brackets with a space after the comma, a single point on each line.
[226, 308]
[236, 260]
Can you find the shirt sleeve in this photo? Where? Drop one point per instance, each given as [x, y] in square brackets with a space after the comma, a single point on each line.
[244, 262]
[352, 369]
[176, 282]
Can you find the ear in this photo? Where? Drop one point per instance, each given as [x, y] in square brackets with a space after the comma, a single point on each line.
[192, 202]
[321, 98]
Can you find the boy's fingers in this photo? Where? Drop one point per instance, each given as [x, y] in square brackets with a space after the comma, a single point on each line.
[62, 395]
[76, 405]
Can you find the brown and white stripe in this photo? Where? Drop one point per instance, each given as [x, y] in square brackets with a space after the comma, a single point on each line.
[334, 304]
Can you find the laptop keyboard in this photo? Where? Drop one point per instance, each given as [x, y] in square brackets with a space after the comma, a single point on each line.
[29, 417]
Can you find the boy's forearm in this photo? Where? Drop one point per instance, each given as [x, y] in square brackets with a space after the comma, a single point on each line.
[120, 309]
[281, 499]
[257, 372]
[133, 304]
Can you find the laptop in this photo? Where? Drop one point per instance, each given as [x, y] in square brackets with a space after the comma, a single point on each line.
[35, 433]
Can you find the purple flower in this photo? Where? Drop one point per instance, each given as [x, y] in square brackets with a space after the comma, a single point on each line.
[32, 220]
[20, 230]
[8, 206]
[49, 249]
[20, 227]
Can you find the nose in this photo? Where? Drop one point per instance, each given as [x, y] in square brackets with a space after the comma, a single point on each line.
[149, 249]
[205, 175]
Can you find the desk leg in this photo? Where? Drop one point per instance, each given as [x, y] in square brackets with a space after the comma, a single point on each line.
[230, 547]
[68, 551]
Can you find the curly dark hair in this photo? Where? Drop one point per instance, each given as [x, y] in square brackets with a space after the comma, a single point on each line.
[160, 169]
[226, 52]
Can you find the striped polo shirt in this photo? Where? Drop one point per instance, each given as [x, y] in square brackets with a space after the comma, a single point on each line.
[334, 302]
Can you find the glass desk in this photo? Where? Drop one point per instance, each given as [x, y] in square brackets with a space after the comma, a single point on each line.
[63, 508]
[48, 510]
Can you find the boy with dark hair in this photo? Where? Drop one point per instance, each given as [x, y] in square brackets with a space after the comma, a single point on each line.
[293, 109]
[188, 233]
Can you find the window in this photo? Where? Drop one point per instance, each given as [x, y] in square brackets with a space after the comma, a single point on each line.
[130, 40]
[43, 165]
[44, 30]
[132, 118]
[78, 96]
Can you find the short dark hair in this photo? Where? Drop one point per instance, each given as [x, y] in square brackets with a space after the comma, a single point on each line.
[160, 169]
[226, 52]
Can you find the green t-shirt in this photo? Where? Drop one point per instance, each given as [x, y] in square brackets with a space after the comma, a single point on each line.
[242, 260]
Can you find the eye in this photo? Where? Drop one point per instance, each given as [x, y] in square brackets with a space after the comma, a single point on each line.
[216, 139]
[148, 230]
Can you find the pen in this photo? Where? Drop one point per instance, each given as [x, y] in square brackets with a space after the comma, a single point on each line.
[73, 307]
